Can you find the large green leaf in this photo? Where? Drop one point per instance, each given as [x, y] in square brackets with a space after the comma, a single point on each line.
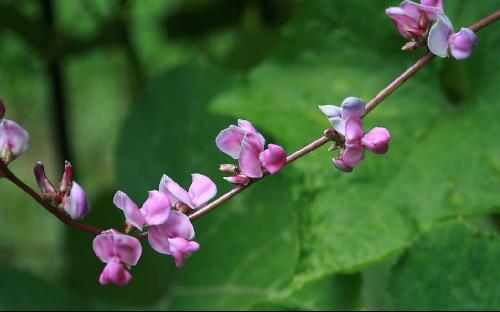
[450, 267]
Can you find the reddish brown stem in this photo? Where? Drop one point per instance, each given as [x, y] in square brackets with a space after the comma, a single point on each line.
[412, 70]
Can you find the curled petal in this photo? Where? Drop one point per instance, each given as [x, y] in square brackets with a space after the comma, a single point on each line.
[229, 141]
[132, 213]
[255, 140]
[114, 272]
[249, 160]
[181, 249]
[177, 225]
[433, 3]
[246, 126]
[175, 192]
[462, 43]
[341, 165]
[202, 189]
[156, 208]
[334, 115]
[273, 158]
[353, 130]
[13, 138]
[406, 21]
[258, 138]
[353, 155]
[239, 179]
[76, 205]
[377, 140]
[110, 245]
[438, 36]
[353, 107]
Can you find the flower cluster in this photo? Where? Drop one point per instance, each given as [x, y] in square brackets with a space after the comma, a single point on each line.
[346, 120]
[13, 138]
[426, 23]
[245, 144]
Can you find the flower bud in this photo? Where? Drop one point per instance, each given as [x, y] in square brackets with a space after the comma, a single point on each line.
[239, 179]
[2, 109]
[76, 204]
[377, 140]
[462, 43]
[229, 168]
[13, 140]
[46, 187]
[67, 178]
[273, 158]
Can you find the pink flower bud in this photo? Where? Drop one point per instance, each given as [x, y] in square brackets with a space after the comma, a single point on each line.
[377, 140]
[46, 187]
[76, 204]
[67, 178]
[239, 179]
[13, 140]
[273, 158]
[462, 43]
[2, 109]
[229, 168]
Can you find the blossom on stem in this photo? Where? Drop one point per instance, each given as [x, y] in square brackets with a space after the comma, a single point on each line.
[412, 19]
[13, 140]
[202, 189]
[118, 251]
[154, 211]
[247, 145]
[75, 203]
[350, 107]
[442, 39]
[174, 237]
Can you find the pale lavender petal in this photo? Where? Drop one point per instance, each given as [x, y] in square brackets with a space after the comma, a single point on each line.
[353, 130]
[239, 179]
[331, 111]
[181, 249]
[229, 141]
[202, 189]
[76, 205]
[338, 124]
[353, 155]
[132, 213]
[13, 138]
[353, 107]
[156, 208]
[377, 140]
[273, 158]
[114, 272]
[249, 160]
[177, 192]
[110, 245]
[462, 43]
[438, 36]
[341, 165]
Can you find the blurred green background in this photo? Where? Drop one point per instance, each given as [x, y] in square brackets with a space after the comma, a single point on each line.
[130, 90]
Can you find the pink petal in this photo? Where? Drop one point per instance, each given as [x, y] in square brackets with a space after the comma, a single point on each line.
[353, 155]
[249, 160]
[431, 12]
[239, 179]
[438, 36]
[353, 130]
[377, 140]
[353, 107]
[404, 20]
[202, 189]
[273, 158]
[229, 141]
[177, 225]
[462, 43]
[256, 140]
[181, 249]
[175, 192]
[246, 126]
[115, 273]
[341, 165]
[132, 213]
[433, 3]
[76, 205]
[111, 245]
[156, 208]
[13, 137]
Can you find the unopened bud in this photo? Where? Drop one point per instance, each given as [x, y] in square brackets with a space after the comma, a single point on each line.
[2, 109]
[76, 204]
[239, 179]
[67, 178]
[13, 140]
[46, 187]
[229, 168]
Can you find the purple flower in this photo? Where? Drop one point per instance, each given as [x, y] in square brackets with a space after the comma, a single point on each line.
[117, 251]
[202, 189]
[154, 211]
[13, 140]
[76, 204]
[174, 237]
[412, 19]
[442, 39]
[350, 107]
[247, 145]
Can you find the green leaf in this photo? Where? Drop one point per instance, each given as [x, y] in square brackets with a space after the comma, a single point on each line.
[452, 267]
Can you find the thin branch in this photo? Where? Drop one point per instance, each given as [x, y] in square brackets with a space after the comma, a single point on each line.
[5, 172]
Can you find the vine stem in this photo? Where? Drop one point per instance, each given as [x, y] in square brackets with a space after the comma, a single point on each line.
[382, 95]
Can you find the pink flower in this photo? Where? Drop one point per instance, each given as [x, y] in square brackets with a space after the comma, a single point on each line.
[245, 143]
[13, 140]
[412, 19]
[350, 107]
[376, 140]
[442, 39]
[154, 211]
[117, 251]
[76, 204]
[174, 237]
[202, 189]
